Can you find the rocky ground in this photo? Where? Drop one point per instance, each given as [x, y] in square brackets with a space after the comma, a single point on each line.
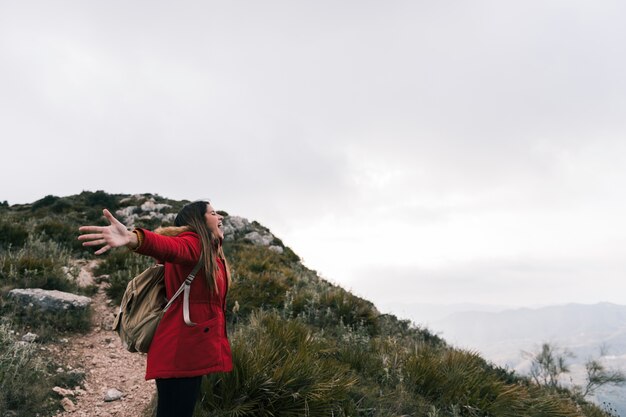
[114, 378]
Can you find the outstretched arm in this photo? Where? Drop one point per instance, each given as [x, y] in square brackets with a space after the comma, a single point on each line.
[112, 236]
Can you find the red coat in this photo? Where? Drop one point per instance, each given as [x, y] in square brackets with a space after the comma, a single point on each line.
[178, 350]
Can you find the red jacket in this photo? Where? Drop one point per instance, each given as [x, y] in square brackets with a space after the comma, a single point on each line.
[178, 350]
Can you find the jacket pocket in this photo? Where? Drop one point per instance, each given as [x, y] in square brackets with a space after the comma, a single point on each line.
[199, 346]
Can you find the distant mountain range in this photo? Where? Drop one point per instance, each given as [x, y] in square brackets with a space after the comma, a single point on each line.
[584, 330]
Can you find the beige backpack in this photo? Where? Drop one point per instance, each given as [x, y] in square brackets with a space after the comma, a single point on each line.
[144, 303]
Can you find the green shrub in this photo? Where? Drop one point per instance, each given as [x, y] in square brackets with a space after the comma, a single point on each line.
[449, 377]
[262, 278]
[59, 231]
[25, 384]
[12, 235]
[100, 199]
[44, 202]
[38, 264]
[280, 369]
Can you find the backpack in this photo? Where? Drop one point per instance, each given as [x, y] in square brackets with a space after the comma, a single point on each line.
[143, 304]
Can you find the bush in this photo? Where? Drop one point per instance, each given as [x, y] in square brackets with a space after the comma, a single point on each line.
[24, 381]
[60, 232]
[100, 199]
[44, 202]
[466, 382]
[280, 369]
[36, 265]
[12, 235]
[262, 278]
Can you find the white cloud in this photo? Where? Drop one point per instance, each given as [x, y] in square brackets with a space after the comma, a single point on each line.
[404, 137]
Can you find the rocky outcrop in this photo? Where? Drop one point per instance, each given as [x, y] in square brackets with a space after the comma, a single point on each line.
[49, 300]
[236, 227]
[149, 209]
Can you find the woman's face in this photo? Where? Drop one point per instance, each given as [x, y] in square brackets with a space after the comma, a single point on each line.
[214, 222]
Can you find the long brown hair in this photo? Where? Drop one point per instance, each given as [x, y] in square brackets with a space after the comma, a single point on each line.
[192, 216]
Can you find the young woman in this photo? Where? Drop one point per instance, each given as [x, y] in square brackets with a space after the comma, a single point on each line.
[180, 354]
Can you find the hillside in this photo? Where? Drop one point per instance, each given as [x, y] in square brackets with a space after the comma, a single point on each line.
[583, 329]
[301, 345]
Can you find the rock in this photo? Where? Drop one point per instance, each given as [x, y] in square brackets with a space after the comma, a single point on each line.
[64, 341]
[68, 272]
[112, 395]
[277, 249]
[152, 205]
[259, 239]
[49, 300]
[148, 210]
[67, 404]
[62, 391]
[233, 224]
[102, 278]
[29, 337]
[127, 215]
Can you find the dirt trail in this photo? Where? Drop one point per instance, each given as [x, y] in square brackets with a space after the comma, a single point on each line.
[105, 362]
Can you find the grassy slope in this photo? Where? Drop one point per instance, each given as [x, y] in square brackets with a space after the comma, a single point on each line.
[302, 346]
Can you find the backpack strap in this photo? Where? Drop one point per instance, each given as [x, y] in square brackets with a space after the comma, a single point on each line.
[185, 287]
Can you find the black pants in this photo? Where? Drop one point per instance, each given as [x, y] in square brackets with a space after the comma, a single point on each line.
[177, 396]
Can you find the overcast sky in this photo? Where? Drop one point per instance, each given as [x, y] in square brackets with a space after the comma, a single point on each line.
[411, 151]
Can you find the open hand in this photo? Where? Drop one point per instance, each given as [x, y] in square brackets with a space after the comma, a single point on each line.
[112, 236]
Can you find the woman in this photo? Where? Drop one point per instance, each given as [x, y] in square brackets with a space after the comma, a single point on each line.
[180, 354]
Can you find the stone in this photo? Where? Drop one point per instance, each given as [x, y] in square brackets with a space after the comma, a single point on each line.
[276, 248]
[126, 215]
[112, 395]
[29, 337]
[152, 206]
[259, 239]
[49, 300]
[102, 278]
[62, 391]
[236, 223]
[68, 272]
[67, 404]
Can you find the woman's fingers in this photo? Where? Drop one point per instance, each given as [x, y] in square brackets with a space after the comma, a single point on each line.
[90, 236]
[111, 236]
[91, 228]
[102, 250]
[110, 217]
[95, 242]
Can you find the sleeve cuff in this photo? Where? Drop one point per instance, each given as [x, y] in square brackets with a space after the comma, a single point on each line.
[140, 238]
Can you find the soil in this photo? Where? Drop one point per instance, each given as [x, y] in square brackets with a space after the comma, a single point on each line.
[106, 364]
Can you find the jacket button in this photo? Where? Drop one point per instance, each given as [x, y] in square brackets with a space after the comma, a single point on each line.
[206, 330]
